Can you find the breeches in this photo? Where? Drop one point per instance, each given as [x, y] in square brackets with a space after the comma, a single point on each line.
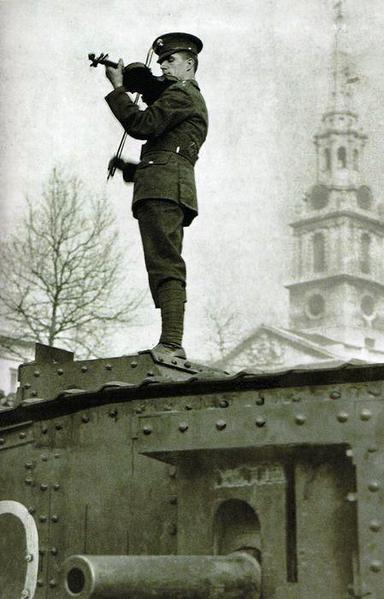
[161, 229]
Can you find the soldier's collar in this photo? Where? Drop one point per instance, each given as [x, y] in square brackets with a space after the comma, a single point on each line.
[191, 81]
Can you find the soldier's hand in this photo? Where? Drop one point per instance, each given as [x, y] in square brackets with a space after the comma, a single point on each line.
[115, 75]
[117, 163]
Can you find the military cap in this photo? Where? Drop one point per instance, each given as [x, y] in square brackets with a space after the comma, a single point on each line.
[169, 43]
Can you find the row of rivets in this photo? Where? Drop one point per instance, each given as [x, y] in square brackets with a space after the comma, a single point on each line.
[221, 424]
[54, 518]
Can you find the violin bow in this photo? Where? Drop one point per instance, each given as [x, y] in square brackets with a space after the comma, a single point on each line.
[112, 168]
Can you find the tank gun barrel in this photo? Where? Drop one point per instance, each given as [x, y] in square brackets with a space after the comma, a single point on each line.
[232, 576]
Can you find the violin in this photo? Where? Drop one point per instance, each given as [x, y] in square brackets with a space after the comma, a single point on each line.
[137, 78]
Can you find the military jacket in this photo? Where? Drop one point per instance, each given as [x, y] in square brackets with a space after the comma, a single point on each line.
[175, 126]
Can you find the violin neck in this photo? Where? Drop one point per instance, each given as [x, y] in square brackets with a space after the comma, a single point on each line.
[108, 63]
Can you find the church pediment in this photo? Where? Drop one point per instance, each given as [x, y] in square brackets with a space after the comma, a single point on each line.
[270, 348]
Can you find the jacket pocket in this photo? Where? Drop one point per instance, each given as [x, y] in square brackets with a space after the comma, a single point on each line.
[160, 160]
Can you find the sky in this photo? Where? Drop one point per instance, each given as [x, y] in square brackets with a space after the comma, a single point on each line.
[265, 73]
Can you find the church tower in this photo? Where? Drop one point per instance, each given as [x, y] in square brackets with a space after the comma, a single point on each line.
[337, 292]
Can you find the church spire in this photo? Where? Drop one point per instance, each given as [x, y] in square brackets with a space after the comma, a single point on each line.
[343, 78]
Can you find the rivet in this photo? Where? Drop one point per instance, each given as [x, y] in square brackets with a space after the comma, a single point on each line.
[349, 453]
[147, 429]
[221, 425]
[223, 403]
[150, 373]
[59, 426]
[300, 419]
[55, 518]
[29, 557]
[2, 441]
[335, 395]
[160, 359]
[172, 529]
[54, 551]
[28, 465]
[375, 525]
[375, 565]
[133, 364]
[172, 471]
[296, 398]
[113, 413]
[27, 386]
[60, 371]
[342, 417]
[25, 594]
[365, 414]
[260, 400]
[85, 418]
[260, 421]
[56, 486]
[173, 500]
[188, 406]
[52, 583]
[174, 362]
[183, 426]
[84, 368]
[372, 449]
[28, 481]
[43, 518]
[187, 364]
[36, 373]
[373, 486]
[108, 367]
[34, 393]
[40, 582]
[44, 458]
[32, 510]
[57, 455]
[44, 430]
[351, 497]
[43, 486]
[139, 410]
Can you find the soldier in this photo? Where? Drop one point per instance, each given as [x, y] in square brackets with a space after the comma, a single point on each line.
[164, 196]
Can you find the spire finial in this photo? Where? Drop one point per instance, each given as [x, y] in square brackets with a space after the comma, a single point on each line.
[342, 77]
[339, 11]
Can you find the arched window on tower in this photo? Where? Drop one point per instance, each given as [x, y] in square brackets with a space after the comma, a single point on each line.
[327, 159]
[319, 261]
[356, 160]
[341, 157]
[365, 253]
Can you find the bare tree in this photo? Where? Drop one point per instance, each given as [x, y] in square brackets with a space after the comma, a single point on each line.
[61, 272]
[224, 329]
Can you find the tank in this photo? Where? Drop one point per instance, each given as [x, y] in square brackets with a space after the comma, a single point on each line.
[138, 477]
